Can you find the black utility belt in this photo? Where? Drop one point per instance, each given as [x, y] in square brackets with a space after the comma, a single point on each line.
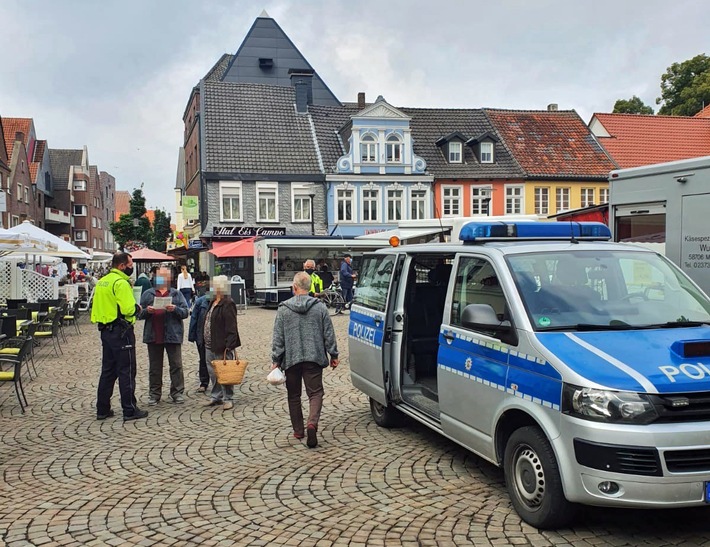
[117, 324]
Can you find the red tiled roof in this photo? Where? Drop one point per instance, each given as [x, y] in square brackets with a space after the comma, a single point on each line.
[704, 113]
[551, 143]
[638, 139]
[10, 127]
[122, 201]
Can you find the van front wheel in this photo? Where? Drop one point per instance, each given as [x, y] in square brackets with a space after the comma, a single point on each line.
[533, 479]
[385, 416]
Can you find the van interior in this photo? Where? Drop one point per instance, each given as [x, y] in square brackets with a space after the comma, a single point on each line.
[427, 281]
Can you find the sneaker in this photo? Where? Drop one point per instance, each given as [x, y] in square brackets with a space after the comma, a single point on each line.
[139, 414]
[228, 405]
[312, 440]
[178, 399]
[214, 402]
[152, 401]
[110, 414]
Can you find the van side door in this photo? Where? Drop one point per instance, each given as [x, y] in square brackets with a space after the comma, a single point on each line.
[473, 365]
[369, 332]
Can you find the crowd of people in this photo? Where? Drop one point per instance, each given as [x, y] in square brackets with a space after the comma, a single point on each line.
[303, 340]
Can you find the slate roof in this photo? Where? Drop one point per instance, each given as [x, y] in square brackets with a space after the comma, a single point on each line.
[61, 160]
[428, 125]
[254, 128]
[551, 144]
[3, 150]
[328, 120]
[637, 139]
[216, 73]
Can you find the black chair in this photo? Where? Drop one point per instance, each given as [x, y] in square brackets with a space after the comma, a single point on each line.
[50, 329]
[51, 302]
[16, 361]
[14, 303]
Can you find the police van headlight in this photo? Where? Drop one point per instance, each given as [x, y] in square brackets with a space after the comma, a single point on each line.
[600, 405]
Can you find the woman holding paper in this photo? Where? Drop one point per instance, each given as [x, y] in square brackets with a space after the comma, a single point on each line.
[185, 284]
[164, 310]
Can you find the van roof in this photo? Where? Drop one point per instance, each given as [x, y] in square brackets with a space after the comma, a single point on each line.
[513, 247]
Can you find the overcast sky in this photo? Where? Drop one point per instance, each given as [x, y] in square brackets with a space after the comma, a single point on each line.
[115, 75]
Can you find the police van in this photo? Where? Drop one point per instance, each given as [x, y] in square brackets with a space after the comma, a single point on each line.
[580, 366]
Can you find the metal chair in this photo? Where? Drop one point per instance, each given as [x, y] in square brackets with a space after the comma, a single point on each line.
[50, 329]
[15, 375]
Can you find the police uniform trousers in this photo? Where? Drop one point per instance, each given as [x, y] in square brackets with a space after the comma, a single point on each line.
[118, 362]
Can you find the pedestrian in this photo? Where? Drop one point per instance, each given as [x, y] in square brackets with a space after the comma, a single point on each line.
[347, 278]
[185, 284]
[143, 282]
[221, 336]
[302, 340]
[309, 266]
[114, 310]
[163, 333]
[196, 334]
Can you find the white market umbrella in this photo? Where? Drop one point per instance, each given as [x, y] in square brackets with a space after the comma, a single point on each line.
[62, 248]
[12, 242]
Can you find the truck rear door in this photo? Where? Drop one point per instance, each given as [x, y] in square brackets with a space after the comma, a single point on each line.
[369, 332]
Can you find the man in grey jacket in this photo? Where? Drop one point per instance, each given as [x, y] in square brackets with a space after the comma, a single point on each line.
[303, 340]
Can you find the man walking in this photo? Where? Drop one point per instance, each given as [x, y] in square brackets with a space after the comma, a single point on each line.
[163, 333]
[303, 333]
[196, 334]
[347, 278]
[114, 310]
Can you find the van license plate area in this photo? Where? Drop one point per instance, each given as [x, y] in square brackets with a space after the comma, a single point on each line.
[707, 491]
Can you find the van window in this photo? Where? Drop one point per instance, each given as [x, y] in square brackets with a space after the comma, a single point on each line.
[476, 283]
[374, 281]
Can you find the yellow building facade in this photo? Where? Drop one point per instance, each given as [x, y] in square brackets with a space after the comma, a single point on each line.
[555, 196]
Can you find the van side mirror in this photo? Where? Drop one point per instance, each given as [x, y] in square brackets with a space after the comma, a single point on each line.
[482, 317]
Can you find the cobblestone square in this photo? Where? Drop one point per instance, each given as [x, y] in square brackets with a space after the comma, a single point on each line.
[192, 474]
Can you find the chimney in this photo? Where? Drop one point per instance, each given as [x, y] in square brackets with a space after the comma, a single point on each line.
[302, 82]
[361, 100]
[20, 136]
[552, 107]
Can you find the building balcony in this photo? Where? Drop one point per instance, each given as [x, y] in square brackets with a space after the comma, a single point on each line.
[55, 216]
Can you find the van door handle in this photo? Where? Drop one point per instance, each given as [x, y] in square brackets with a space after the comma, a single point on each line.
[378, 322]
[449, 336]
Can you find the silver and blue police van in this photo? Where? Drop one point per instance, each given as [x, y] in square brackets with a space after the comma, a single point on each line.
[580, 366]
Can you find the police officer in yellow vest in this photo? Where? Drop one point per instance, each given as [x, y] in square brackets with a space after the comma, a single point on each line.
[309, 266]
[114, 310]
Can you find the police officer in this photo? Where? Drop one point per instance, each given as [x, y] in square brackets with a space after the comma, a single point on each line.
[114, 310]
[309, 266]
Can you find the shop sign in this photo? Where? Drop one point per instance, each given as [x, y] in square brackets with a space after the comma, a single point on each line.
[195, 244]
[248, 231]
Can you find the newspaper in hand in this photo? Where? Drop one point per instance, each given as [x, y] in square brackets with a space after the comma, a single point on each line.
[162, 302]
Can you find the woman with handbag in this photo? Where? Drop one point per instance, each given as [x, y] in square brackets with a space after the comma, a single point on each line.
[221, 337]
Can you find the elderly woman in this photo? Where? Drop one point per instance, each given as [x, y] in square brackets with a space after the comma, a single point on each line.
[220, 335]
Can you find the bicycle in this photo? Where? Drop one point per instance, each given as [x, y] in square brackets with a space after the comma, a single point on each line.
[332, 297]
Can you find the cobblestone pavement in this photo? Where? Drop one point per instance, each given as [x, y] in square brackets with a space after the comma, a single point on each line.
[191, 474]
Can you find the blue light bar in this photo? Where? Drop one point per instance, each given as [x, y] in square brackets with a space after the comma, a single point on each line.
[477, 232]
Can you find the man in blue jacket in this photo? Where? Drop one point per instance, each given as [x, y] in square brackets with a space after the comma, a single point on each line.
[347, 279]
[197, 334]
[163, 333]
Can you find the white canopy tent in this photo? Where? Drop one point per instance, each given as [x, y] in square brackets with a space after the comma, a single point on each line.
[12, 242]
[64, 248]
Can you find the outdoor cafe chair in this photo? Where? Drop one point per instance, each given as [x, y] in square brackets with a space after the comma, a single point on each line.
[17, 347]
[14, 303]
[71, 316]
[50, 329]
[15, 375]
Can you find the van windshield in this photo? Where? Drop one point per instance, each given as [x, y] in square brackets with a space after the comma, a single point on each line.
[593, 289]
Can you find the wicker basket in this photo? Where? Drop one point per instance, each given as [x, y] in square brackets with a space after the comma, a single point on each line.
[230, 372]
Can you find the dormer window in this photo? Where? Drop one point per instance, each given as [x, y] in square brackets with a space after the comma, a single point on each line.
[368, 149]
[455, 152]
[394, 149]
[487, 152]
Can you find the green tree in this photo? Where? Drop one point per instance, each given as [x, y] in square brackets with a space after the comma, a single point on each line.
[126, 229]
[634, 105]
[685, 87]
[161, 230]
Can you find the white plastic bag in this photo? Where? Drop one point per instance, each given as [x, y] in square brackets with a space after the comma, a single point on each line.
[276, 377]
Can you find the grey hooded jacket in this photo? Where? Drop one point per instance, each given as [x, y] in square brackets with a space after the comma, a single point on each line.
[303, 332]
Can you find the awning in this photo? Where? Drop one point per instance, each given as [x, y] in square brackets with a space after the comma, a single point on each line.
[406, 234]
[149, 255]
[233, 249]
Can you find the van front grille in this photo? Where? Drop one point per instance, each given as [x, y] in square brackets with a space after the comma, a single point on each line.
[687, 461]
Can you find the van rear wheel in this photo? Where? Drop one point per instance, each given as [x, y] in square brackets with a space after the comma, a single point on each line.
[385, 416]
[533, 480]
